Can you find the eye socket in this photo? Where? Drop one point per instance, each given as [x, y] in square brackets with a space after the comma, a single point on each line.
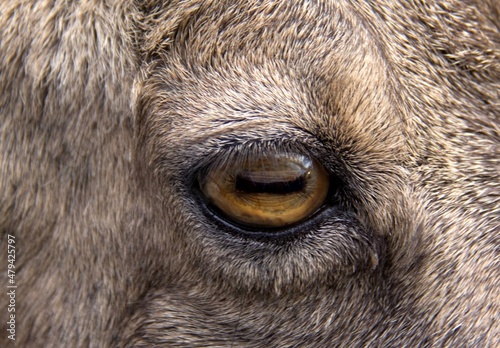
[268, 191]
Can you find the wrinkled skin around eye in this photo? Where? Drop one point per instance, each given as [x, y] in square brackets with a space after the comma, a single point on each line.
[269, 191]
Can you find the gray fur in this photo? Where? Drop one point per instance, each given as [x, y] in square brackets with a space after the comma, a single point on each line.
[108, 109]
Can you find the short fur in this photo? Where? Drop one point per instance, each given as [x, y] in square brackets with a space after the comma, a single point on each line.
[108, 109]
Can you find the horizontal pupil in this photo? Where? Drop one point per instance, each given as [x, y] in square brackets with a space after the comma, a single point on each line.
[248, 185]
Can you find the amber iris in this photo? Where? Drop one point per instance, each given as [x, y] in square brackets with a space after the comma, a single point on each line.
[267, 191]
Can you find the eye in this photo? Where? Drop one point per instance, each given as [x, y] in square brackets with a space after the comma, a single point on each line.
[268, 191]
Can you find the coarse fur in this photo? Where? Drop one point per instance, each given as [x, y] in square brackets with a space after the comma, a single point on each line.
[110, 109]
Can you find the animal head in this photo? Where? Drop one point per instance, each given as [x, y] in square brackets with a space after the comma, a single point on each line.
[250, 173]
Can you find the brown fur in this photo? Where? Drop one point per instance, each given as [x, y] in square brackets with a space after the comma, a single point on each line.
[108, 109]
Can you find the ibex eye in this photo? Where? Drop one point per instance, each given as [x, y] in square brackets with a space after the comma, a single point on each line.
[267, 191]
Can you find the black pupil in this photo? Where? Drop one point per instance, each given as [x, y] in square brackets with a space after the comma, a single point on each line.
[247, 184]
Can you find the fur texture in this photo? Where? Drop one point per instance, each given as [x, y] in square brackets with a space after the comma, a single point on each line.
[109, 109]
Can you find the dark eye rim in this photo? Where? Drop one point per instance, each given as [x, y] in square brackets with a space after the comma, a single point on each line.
[277, 235]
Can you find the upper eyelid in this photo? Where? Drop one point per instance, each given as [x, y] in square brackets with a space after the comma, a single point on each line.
[220, 158]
